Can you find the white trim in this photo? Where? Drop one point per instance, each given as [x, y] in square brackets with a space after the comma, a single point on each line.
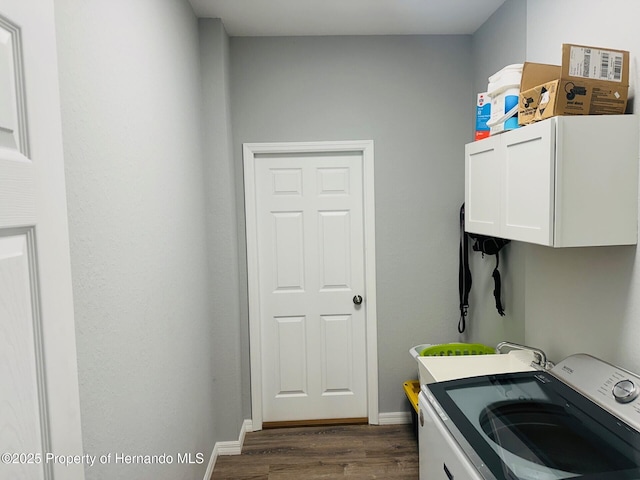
[227, 448]
[250, 150]
[247, 426]
[395, 418]
[370, 280]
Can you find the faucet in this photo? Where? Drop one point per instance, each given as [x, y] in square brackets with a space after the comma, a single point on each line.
[539, 355]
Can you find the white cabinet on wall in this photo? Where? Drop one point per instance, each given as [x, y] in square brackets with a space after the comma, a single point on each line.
[563, 182]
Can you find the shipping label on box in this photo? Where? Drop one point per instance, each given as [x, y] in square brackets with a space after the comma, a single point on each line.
[595, 63]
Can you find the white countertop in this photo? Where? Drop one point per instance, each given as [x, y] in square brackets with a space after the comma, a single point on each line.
[440, 369]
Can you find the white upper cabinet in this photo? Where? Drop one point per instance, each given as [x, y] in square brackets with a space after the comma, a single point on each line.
[563, 182]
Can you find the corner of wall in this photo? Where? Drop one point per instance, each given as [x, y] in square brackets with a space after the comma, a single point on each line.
[222, 225]
[500, 41]
[228, 448]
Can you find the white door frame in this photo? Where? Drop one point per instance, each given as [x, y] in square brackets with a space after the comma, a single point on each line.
[250, 152]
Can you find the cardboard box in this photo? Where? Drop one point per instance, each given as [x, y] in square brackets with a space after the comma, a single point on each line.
[591, 81]
[483, 114]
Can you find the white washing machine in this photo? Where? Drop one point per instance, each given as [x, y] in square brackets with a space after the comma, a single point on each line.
[579, 419]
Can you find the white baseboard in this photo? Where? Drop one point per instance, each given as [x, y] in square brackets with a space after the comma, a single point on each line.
[394, 418]
[233, 447]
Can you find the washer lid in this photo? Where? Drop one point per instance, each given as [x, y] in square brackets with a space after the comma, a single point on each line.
[532, 426]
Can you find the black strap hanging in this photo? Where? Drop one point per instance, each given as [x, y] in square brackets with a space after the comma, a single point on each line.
[464, 275]
[485, 245]
[497, 286]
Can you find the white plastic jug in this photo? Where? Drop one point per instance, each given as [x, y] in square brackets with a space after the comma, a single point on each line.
[504, 91]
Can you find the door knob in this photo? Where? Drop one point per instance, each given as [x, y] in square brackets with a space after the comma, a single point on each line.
[357, 299]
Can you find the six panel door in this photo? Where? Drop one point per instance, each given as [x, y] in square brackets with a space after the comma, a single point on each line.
[311, 262]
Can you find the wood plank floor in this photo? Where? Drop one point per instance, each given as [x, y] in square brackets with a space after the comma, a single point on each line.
[356, 452]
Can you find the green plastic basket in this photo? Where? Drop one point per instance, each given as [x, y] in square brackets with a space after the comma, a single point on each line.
[451, 349]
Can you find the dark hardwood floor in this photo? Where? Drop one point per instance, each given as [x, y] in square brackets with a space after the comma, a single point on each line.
[356, 452]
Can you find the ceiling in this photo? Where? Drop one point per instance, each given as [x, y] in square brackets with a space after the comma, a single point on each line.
[347, 17]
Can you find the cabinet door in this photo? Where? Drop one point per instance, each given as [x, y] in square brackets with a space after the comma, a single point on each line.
[528, 184]
[482, 186]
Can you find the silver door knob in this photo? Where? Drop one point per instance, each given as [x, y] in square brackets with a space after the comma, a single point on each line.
[357, 299]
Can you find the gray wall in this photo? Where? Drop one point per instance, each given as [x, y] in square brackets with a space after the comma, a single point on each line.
[585, 299]
[500, 41]
[130, 83]
[410, 95]
[222, 225]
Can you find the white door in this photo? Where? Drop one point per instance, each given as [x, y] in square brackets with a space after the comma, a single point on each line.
[39, 402]
[312, 296]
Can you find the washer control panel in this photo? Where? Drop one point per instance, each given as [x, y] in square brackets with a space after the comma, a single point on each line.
[612, 387]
